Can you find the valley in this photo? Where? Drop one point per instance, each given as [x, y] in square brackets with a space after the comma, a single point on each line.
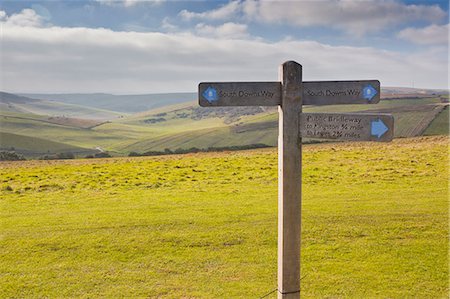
[34, 127]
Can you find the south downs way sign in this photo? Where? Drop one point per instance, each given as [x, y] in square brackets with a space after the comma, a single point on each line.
[290, 94]
[269, 93]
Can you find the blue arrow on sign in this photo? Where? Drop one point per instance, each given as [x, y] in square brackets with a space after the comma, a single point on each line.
[369, 92]
[210, 94]
[378, 128]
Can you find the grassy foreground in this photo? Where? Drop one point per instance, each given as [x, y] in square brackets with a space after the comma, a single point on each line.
[375, 224]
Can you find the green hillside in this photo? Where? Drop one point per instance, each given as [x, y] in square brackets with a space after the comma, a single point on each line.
[186, 125]
[119, 103]
[194, 126]
[13, 103]
[32, 146]
[374, 224]
[440, 125]
[32, 125]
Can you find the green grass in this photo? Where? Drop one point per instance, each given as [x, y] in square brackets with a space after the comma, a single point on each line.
[440, 125]
[375, 224]
[20, 143]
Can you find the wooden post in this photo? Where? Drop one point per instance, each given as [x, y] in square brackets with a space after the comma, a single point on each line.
[289, 181]
[289, 94]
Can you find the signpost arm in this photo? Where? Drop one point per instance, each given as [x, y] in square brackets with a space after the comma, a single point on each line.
[289, 181]
[290, 93]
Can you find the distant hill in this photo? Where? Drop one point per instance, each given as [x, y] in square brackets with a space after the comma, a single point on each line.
[22, 104]
[145, 102]
[9, 98]
[183, 124]
[119, 103]
[408, 92]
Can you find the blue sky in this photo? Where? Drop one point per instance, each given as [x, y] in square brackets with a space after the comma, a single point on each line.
[170, 46]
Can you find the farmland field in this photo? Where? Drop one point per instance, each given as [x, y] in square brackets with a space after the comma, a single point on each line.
[375, 224]
[440, 125]
[187, 126]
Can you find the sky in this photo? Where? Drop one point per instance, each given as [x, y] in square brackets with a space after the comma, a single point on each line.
[137, 47]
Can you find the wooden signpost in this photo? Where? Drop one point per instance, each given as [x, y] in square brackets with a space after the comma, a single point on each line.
[269, 93]
[290, 94]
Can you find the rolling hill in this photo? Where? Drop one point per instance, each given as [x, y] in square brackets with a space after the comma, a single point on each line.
[118, 103]
[144, 102]
[72, 135]
[193, 126]
[185, 125]
[35, 147]
[22, 104]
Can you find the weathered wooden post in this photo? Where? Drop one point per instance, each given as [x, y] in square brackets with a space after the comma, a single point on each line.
[289, 181]
[289, 94]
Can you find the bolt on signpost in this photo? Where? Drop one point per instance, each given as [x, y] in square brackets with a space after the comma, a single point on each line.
[290, 94]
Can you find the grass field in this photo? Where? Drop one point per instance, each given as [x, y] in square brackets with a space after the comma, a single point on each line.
[440, 125]
[375, 224]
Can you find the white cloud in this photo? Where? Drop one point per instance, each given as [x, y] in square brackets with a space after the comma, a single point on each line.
[227, 30]
[354, 17]
[433, 34]
[227, 11]
[124, 3]
[26, 17]
[2, 15]
[128, 3]
[56, 59]
[168, 26]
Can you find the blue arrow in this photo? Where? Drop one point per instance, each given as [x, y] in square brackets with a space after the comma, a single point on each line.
[369, 92]
[378, 128]
[210, 94]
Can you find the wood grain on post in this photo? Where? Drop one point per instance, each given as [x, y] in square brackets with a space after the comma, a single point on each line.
[289, 181]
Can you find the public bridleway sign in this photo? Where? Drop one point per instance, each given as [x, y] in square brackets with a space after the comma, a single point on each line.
[290, 94]
[356, 127]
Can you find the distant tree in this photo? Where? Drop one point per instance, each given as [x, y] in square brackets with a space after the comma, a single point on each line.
[65, 156]
[153, 153]
[11, 156]
[102, 155]
[48, 157]
[58, 156]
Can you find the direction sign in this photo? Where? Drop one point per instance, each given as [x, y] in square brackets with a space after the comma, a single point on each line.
[341, 92]
[269, 93]
[357, 127]
[239, 94]
[290, 94]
